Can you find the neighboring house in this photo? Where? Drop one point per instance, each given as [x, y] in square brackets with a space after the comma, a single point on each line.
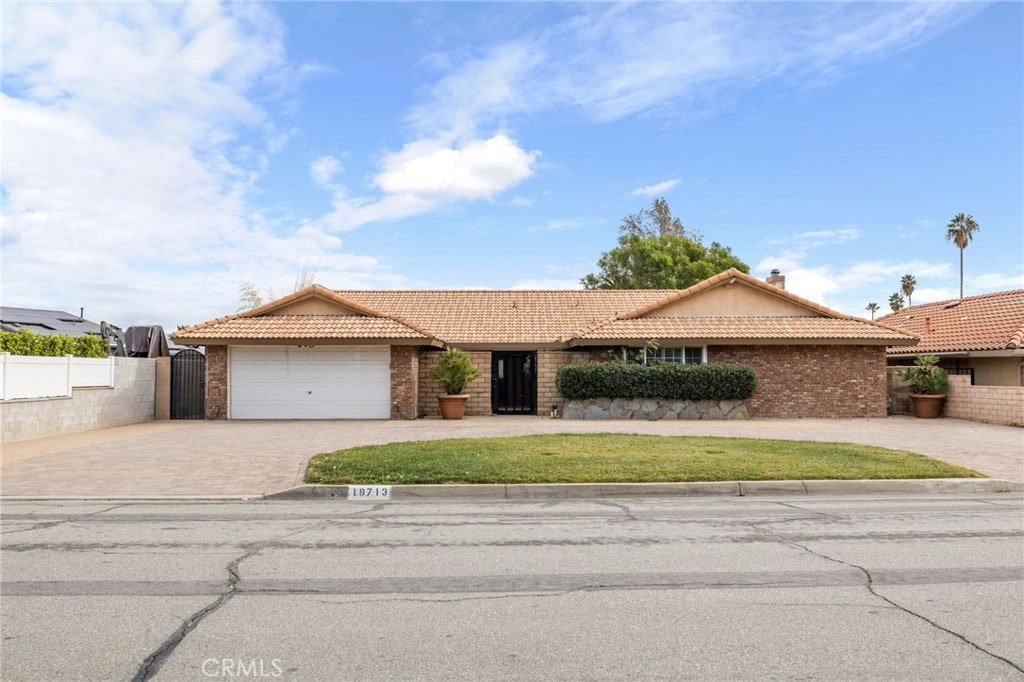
[46, 322]
[324, 354]
[982, 336]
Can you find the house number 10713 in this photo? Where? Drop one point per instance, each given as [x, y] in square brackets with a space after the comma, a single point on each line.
[369, 492]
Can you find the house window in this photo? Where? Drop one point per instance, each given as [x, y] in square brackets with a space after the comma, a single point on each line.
[688, 355]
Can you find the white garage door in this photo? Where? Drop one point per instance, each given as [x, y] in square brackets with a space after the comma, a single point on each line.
[310, 383]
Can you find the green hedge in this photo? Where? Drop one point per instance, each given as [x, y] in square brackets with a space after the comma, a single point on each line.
[24, 342]
[668, 381]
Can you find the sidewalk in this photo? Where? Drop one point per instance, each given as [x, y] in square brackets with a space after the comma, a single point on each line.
[252, 458]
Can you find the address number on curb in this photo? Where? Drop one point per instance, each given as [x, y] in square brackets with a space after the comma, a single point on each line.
[369, 492]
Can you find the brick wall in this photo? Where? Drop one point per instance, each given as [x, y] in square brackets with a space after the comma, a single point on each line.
[130, 401]
[405, 381]
[993, 404]
[479, 391]
[216, 382]
[812, 381]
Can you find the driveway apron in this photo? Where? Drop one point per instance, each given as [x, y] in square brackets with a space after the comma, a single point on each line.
[252, 458]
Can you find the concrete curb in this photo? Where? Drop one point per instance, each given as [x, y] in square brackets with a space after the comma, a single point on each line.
[550, 491]
[130, 498]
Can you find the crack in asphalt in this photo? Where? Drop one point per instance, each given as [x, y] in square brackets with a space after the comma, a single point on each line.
[50, 524]
[869, 584]
[151, 664]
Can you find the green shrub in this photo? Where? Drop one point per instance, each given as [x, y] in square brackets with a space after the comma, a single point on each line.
[455, 370]
[668, 381]
[24, 342]
[925, 377]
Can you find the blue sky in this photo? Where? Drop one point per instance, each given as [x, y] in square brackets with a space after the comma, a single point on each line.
[157, 156]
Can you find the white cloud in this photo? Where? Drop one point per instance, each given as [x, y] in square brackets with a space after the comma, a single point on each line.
[132, 140]
[991, 282]
[657, 188]
[608, 62]
[478, 169]
[323, 170]
[547, 283]
[428, 173]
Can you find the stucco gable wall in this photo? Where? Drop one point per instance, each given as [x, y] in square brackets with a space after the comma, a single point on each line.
[734, 300]
[312, 306]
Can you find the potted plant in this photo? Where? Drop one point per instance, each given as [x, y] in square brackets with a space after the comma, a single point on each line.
[928, 384]
[454, 371]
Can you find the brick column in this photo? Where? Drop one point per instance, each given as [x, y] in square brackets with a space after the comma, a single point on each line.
[216, 382]
[405, 381]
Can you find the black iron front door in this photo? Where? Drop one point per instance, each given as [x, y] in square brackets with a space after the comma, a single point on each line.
[514, 382]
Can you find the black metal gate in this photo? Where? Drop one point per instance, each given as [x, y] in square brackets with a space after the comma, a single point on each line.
[514, 382]
[188, 384]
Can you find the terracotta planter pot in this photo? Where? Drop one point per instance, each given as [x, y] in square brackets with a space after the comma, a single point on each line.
[452, 406]
[927, 406]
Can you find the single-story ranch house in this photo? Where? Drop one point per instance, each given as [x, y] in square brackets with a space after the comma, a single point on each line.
[325, 354]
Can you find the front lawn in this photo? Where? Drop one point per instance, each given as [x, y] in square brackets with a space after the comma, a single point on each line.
[603, 458]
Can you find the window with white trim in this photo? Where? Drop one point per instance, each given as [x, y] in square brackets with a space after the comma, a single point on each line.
[685, 355]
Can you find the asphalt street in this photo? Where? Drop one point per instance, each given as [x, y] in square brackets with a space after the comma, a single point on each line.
[816, 587]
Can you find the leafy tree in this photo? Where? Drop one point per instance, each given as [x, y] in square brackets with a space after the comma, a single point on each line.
[656, 221]
[656, 251]
[907, 284]
[249, 297]
[960, 231]
[896, 301]
[872, 308]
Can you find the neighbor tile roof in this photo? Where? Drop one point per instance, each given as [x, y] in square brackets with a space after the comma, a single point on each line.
[974, 323]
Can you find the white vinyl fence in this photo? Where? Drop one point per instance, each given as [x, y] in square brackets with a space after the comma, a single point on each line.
[31, 377]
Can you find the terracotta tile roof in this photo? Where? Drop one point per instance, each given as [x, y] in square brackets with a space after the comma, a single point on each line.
[503, 316]
[754, 328]
[300, 327]
[539, 318]
[974, 323]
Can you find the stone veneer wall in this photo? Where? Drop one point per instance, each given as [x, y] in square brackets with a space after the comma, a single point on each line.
[479, 403]
[405, 384]
[130, 401]
[993, 404]
[654, 410]
[216, 382]
[812, 381]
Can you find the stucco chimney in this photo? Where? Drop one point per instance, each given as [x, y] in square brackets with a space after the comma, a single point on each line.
[776, 279]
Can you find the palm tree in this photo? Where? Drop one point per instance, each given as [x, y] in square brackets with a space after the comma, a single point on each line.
[908, 283]
[872, 308]
[960, 231]
[896, 301]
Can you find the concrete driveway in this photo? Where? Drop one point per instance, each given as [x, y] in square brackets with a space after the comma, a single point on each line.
[250, 458]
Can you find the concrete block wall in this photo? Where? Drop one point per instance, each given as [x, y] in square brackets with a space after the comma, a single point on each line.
[992, 404]
[548, 363]
[130, 401]
[479, 403]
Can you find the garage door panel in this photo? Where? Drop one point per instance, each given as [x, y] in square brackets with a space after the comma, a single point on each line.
[310, 383]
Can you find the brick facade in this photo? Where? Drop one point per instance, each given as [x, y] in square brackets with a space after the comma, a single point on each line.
[792, 381]
[405, 374]
[216, 382]
[812, 381]
[479, 391]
